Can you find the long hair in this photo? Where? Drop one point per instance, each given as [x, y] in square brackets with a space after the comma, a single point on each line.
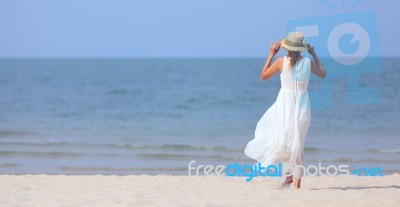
[294, 57]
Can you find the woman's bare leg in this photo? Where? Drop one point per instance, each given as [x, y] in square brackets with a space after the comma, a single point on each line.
[297, 174]
[297, 183]
[288, 181]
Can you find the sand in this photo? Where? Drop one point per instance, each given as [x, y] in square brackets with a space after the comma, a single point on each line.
[167, 190]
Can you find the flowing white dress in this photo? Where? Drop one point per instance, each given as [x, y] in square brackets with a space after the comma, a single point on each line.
[281, 131]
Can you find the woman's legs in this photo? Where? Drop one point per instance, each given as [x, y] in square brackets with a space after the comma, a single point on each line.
[297, 183]
[294, 173]
[288, 181]
[298, 174]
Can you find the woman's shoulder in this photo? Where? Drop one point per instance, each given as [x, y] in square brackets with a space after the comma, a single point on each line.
[306, 59]
[281, 58]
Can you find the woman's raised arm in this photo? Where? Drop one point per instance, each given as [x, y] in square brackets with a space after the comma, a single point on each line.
[269, 70]
[316, 66]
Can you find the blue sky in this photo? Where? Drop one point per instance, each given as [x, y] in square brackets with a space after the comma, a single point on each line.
[172, 28]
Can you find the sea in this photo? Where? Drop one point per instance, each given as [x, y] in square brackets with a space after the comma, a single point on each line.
[155, 115]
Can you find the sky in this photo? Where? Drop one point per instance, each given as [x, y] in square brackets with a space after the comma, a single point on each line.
[170, 28]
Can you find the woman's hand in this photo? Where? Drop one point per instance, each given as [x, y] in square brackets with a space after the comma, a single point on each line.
[268, 69]
[316, 66]
[275, 48]
[311, 49]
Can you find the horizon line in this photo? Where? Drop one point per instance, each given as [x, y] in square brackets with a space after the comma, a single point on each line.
[161, 57]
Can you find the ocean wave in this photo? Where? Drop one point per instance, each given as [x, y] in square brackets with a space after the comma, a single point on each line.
[15, 133]
[313, 149]
[127, 169]
[122, 92]
[179, 147]
[50, 154]
[166, 156]
[161, 148]
[54, 143]
[387, 151]
[350, 160]
[194, 147]
[8, 165]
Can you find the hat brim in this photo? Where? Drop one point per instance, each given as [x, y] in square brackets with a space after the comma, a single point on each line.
[291, 48]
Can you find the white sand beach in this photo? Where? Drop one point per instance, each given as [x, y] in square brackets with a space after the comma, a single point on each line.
[167, 190]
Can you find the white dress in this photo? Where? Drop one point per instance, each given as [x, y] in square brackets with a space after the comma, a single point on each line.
[281, 131]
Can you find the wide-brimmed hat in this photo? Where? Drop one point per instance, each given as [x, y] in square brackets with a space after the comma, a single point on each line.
[295, 42]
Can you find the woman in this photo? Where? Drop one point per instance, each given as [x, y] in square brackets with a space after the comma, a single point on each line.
[281, 131]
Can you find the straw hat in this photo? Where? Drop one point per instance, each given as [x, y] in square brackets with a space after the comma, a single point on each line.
[295, 42]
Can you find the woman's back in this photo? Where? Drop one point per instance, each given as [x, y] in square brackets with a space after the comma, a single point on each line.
[295, 78]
